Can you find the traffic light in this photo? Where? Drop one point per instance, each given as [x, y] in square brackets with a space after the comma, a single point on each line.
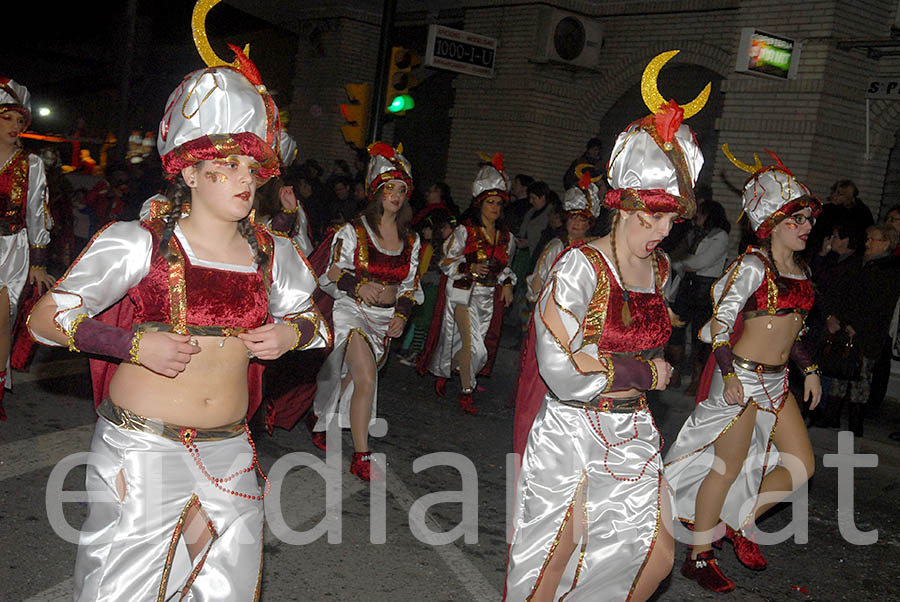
[399, 80]
[356, 113]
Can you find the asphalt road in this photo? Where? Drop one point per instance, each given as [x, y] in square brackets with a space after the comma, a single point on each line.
[419, 538]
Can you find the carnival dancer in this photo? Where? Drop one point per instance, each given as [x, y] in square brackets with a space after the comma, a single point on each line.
[592, 511]
[581, 206]
[25, 220]
[745, 446]
[373, 276]
[477, 285]
[176, 506]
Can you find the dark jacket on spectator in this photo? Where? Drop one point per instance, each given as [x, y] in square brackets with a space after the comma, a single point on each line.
[867, 303]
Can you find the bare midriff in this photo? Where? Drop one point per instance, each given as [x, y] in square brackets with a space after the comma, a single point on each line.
[388, 296]
[211, 392]
[759, 343]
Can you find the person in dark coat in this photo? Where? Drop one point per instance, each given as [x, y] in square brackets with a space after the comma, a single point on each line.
[866, 314]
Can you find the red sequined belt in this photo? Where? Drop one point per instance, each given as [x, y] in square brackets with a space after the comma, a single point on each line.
[611, 405]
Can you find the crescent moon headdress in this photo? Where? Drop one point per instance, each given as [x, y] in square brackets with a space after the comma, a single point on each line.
[771, 193]
[656, 160]
[491, 179]
[583, 198]
[219, 111]
[15, 97]
[385, 164]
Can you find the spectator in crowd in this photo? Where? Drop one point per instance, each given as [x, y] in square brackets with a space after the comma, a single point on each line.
[518, 201]
[593, 156]
[843, 207]
[699, 270]
[437, 199]
[866, 314]
[344, 207]
[833, 269]
[892, 219]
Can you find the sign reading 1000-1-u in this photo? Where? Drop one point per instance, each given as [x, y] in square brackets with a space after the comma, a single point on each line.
[460, 51]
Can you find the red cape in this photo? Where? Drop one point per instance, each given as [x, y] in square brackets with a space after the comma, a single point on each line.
[709, 368]
[22, 344]
[291, 379]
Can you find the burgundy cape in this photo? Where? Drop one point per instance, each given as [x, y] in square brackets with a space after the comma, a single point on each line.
[291, 379]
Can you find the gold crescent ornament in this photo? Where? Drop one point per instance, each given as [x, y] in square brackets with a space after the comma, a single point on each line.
[201, 41]
[650, 90]
[586, 167]
[740, 164]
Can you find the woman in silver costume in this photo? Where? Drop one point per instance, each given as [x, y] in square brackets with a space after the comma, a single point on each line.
[593, 510]
[25, 220]
[477, 284]
[176, 507]
[745, 446]
[373, 276]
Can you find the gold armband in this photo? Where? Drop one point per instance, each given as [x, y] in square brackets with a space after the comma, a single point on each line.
[135, 347]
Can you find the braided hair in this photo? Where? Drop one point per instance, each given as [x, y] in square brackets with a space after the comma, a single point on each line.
[179, 195]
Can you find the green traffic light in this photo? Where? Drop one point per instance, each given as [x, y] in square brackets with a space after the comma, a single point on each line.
[403, 102]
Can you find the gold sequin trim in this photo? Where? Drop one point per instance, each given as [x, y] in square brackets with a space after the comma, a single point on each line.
[70, 335]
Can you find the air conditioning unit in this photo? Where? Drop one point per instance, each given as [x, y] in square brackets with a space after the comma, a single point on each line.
[568, 39]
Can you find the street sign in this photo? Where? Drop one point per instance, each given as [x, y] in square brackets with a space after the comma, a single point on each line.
[460, 51]
[884, 87]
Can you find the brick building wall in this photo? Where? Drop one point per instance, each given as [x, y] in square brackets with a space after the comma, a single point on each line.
[540, 114]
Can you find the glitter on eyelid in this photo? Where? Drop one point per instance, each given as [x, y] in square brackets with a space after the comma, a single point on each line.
[216, 176]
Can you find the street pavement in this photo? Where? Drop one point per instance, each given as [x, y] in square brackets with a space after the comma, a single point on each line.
[398, 555]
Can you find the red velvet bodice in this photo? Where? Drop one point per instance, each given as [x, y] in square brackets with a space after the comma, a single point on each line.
[786, 294]
[13, 193]
[372, 264]
[479, 249]
[650, 324]
[214, 297]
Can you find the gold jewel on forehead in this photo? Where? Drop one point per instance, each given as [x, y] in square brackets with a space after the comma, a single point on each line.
[650, 90]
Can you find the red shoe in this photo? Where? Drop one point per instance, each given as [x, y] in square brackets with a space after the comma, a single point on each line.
[363, 467]
[319, 440]
[746, 550]
[440, 386]
[705, 571]
[466, 404]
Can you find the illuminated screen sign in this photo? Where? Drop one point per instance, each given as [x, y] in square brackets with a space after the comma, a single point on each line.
[767, 54]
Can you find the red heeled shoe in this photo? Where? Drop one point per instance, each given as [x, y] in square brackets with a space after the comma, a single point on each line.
[705, 571]
[440, 386]
[319, 440]
[363, 467]
[746, 550]
[466, 404]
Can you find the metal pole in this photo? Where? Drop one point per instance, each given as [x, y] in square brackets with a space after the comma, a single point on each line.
[376, 106]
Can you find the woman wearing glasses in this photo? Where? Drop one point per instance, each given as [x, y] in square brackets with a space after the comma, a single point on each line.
[745, 446]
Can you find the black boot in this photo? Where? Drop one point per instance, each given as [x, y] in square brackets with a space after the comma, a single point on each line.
[857, 414]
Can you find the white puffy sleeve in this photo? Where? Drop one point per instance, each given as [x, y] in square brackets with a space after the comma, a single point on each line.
[38, 221]
[453, 253]
[301, 238]
[730, 294]
[570, 286]
[115, 260]
[536, 279]
[343, 250]
[508, 276]
[290, 295]
[410, 286]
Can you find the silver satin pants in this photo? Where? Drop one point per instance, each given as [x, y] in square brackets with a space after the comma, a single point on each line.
[623, 488]
[691, 457]
[133, 548]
